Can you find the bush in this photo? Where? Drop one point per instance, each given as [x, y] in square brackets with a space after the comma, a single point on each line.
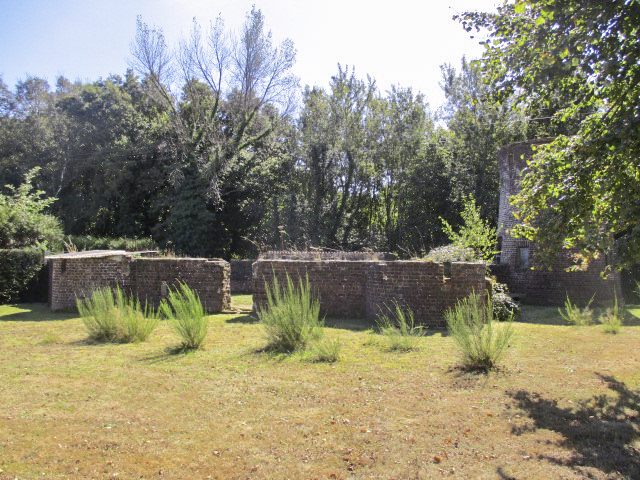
[576, 316]
[452, 253]
[88, 242]
[504, 307]
[22, 221]
[187, 315]
[291, 319]
[399, 328]
[112, 316]
[613, 318]
[481, 340]
[18, 267]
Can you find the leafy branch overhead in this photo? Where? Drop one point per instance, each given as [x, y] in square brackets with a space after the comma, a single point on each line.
[582, 59]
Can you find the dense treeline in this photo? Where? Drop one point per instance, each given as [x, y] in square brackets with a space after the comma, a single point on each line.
[234, 160]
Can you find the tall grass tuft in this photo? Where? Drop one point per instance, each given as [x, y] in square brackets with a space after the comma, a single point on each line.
[575, 315]
[613, 318]
[291, 319]
[481, 338]
[187, 315]
[110, 315]
[399, 328]
[326, 350]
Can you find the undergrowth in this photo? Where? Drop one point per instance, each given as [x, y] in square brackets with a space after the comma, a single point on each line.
[398, 326]
[110, 315]
[481, 339]
[291, 318]
[187, 315]
[573, 314]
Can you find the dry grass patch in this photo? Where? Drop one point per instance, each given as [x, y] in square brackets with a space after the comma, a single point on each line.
[565, 405]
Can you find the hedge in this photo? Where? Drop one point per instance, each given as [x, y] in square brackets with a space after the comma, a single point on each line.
[18, 267]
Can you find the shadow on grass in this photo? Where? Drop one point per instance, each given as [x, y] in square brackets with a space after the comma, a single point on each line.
[543, 315]
[601, 431]
[169, 354]
[246, 319]
[32, 312]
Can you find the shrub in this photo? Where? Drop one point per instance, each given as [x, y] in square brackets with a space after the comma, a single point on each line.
[482, 341]
[112, 316]
[576, 316]
[474, 232]
[613, 318]
[452, 253]
[399, 328]
[18, 267]
[504, 307]
[326, 350]
[23, 223]
[187, 315]
[291, 319]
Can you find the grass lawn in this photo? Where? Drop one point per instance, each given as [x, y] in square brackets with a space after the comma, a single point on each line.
[565, 405]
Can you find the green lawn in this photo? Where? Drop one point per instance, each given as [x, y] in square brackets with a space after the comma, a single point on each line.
[565, 404]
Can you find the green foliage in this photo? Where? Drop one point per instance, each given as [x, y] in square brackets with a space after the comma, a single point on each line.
[574, 315]
[326, 350]
[474, 233]
[22, 221]
[452, 253]
[504, 307]
[613, 318]
[89, 242]
[580, 63]
[110, 315]
[187, 315]
[481, 340]
[291, 319]
[17, 268]
[398, 326]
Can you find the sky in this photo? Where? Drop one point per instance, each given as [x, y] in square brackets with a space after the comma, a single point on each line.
[399, 42]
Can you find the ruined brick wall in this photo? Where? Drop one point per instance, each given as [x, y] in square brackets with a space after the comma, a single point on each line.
[361, 289]
[71, 278]
[340, 284]
[152, 277]
[147, 278]
[429, 289]
[241, 276]
[534, 283]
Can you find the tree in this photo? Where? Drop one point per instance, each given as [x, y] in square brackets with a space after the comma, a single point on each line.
[582, 190]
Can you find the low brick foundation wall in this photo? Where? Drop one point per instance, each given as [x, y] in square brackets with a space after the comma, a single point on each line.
[241, 276]
[361, 289]
[72, 277]
[551, 287]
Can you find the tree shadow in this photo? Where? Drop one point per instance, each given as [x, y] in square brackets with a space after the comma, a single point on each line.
[246, 319]
[600, 431]
[34, 312]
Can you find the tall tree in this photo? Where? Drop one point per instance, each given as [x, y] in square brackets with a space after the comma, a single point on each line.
[580, 191]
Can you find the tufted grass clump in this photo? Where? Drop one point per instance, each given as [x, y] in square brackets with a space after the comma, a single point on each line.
[399, 328]
[481, 339]
[291, 319]
[326, 351]
[187, 315]
[613, 318]
[110, 315]
[575, 315]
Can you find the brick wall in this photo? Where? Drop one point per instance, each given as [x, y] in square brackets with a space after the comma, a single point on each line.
[535, 283]
[360, 289]
[147, 278]
[241, 276]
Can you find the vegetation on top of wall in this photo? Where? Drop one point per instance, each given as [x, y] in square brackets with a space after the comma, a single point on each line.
[89, 242]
